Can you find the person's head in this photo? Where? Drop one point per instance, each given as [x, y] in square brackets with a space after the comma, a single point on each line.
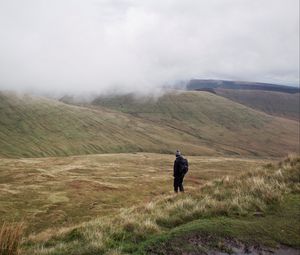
[178, 154]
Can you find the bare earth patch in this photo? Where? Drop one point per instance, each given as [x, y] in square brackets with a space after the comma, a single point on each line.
[212, 245]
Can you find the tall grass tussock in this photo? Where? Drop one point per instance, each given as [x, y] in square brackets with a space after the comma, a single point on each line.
[239, 196]
[10, 238]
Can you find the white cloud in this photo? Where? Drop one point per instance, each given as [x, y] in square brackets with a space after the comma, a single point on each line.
[91, 45]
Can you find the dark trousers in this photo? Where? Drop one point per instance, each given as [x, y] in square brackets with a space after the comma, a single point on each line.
[178, 180]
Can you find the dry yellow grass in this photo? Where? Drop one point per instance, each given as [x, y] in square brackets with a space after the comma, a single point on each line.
[63, 191]
[245, 194]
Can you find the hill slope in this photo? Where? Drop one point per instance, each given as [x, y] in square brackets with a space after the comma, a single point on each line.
[275, 103]
[217, 122]
[36, 127]
[198, 123]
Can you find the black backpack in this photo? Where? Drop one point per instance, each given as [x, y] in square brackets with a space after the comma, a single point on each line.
[184, 166]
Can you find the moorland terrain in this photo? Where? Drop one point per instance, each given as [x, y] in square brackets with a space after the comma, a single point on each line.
[96, 177]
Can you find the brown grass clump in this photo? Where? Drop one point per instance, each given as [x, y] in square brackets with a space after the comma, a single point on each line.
[10, 238]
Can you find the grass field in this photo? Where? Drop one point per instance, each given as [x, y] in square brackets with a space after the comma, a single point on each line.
[62, 191]
[77, 204]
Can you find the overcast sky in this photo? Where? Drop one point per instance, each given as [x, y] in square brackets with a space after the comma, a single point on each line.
[100, 45]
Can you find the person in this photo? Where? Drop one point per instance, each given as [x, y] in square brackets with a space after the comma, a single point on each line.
[180, 169]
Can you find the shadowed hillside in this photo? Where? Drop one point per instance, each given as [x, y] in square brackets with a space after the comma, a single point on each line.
[199, 84]
[217, 122]
[275, 103]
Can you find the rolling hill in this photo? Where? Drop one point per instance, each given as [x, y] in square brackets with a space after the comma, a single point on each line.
[199, 123]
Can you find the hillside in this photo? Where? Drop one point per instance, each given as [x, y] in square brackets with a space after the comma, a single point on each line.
[199, 123]
[280, 104]
[37, 127]
[219, 123]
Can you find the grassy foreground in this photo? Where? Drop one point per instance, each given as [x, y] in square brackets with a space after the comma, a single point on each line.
[279, 225]
[257, 206]
[63, 191]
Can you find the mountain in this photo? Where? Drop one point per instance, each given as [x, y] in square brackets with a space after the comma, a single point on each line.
[200, 84]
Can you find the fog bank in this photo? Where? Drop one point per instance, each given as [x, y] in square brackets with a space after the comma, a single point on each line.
[115, 46]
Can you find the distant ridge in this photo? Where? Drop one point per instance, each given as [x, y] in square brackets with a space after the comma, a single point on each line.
[203, 84]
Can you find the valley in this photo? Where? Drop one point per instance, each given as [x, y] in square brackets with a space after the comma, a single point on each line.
[96, 177]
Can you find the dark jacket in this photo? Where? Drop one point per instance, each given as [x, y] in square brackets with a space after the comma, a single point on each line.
[178, 167]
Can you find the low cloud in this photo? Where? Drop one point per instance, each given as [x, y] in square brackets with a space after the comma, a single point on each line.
[134, 45]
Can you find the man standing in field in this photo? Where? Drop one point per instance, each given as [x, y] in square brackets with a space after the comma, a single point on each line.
[181, 167]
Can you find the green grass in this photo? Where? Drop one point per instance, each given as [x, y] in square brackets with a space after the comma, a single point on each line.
[224, 208]
[280, 225]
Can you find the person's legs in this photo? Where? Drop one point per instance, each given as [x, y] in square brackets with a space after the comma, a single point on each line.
[180, 184]
[176, 184]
